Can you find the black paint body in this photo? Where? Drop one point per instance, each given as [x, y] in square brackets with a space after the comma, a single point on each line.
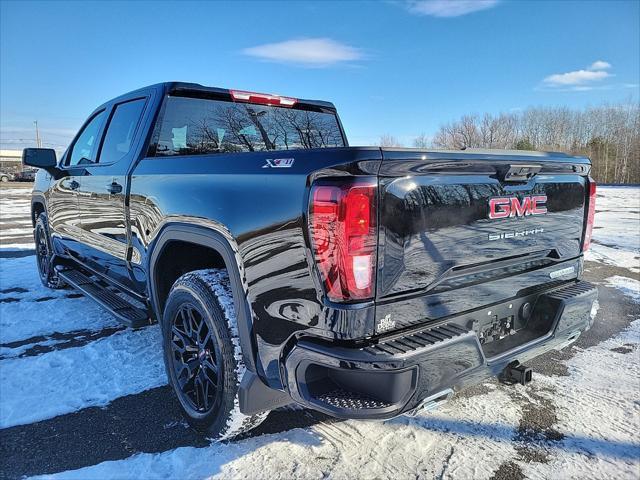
[436, 263]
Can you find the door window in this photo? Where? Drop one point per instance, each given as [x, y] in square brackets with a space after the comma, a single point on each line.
[119, 137]
[85, 146]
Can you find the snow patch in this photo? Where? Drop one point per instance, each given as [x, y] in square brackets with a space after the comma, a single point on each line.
[59, 382]
[26, 318]
[628, 286]
[8, 247]
[19, 232]
[598, 412]
[616, 232]
[453, 445]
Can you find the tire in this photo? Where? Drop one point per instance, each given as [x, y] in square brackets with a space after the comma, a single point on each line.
[4, 179]
[202, 354]
[47, 273]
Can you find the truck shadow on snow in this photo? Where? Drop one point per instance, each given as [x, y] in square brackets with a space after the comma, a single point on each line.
[121, 429]
[115, 432]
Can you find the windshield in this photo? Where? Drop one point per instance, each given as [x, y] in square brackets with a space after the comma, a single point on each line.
[192, 126]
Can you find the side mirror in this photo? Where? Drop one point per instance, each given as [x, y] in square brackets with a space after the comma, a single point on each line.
[44, 158]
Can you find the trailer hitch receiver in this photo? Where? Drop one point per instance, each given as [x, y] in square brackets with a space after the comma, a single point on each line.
[516, 373]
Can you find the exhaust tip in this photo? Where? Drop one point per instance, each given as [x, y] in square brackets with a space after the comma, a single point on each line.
[432, 402]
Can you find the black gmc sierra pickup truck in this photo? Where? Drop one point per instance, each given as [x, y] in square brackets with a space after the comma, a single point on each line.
[285, 266]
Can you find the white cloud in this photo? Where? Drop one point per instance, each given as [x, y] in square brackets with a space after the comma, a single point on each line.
[310, 52]
[600, 65]
[448, 8]
[580, 78]
[581, 88]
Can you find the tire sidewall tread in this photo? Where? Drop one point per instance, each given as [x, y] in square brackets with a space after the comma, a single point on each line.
[53, 281]
[210, 291]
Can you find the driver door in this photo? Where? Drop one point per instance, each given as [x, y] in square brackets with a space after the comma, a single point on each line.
[63, 216]
[102, 194]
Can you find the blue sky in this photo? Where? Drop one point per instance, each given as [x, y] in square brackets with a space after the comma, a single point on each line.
[401, 68]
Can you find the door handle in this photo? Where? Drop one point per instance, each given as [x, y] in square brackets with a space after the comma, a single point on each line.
[114, 188]
[73, 185]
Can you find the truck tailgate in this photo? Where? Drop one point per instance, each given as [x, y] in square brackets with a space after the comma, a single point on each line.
[466, 222]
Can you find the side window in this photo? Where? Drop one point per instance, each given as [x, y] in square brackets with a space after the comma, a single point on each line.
[122, 127]
[85, 146]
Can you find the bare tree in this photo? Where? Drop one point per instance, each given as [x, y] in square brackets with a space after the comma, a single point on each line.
[421, 141]
[388, 140]
[608, 134]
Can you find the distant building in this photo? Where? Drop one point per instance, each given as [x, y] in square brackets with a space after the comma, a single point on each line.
[10, 161]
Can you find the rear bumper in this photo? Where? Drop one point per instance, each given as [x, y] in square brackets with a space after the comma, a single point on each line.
[398, 372]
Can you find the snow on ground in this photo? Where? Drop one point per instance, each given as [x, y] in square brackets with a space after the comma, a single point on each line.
[22, 298]
[58, 382]
[21, 274]
[599, 411]
[364, 449]
[60, 315]
[15, 222]
[596, 436]
[18, 245]
[616, 233]
[628, 286]
[594, 432]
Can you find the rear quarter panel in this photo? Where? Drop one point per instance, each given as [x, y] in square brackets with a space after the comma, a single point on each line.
[262, 212]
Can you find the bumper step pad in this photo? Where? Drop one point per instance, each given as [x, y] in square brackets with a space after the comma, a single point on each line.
[580, 289]
[126, 313]
[411, 342]
[343, 399]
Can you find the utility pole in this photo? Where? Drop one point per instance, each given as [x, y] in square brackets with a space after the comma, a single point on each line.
[38, 141]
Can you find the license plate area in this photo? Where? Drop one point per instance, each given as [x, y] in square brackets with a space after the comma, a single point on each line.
[496, 329]
[506, 326]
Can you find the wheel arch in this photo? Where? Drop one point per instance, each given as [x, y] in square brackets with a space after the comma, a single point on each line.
[38, 206]
[225, 246]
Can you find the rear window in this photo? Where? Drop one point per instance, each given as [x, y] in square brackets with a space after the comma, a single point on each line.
[193, 126]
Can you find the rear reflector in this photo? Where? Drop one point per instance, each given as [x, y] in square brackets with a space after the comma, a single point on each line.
[342, 227]
[590, 215]
[262, 98]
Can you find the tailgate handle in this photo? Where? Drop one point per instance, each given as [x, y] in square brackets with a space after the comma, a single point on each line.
[521, 173]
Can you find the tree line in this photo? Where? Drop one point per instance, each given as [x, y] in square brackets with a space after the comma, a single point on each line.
[608, 134]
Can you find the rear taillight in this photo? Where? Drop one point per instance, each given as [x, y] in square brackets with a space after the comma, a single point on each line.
[590, 215]
[342, 227]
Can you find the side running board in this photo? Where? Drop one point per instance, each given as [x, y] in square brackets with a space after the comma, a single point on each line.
[127, 313]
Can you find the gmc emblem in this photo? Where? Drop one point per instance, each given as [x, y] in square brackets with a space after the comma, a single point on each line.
[506, 207]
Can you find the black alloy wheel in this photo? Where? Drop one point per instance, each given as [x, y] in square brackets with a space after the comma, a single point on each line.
[48, 275]
[196, 359]
[201, 353]
[42, 253]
